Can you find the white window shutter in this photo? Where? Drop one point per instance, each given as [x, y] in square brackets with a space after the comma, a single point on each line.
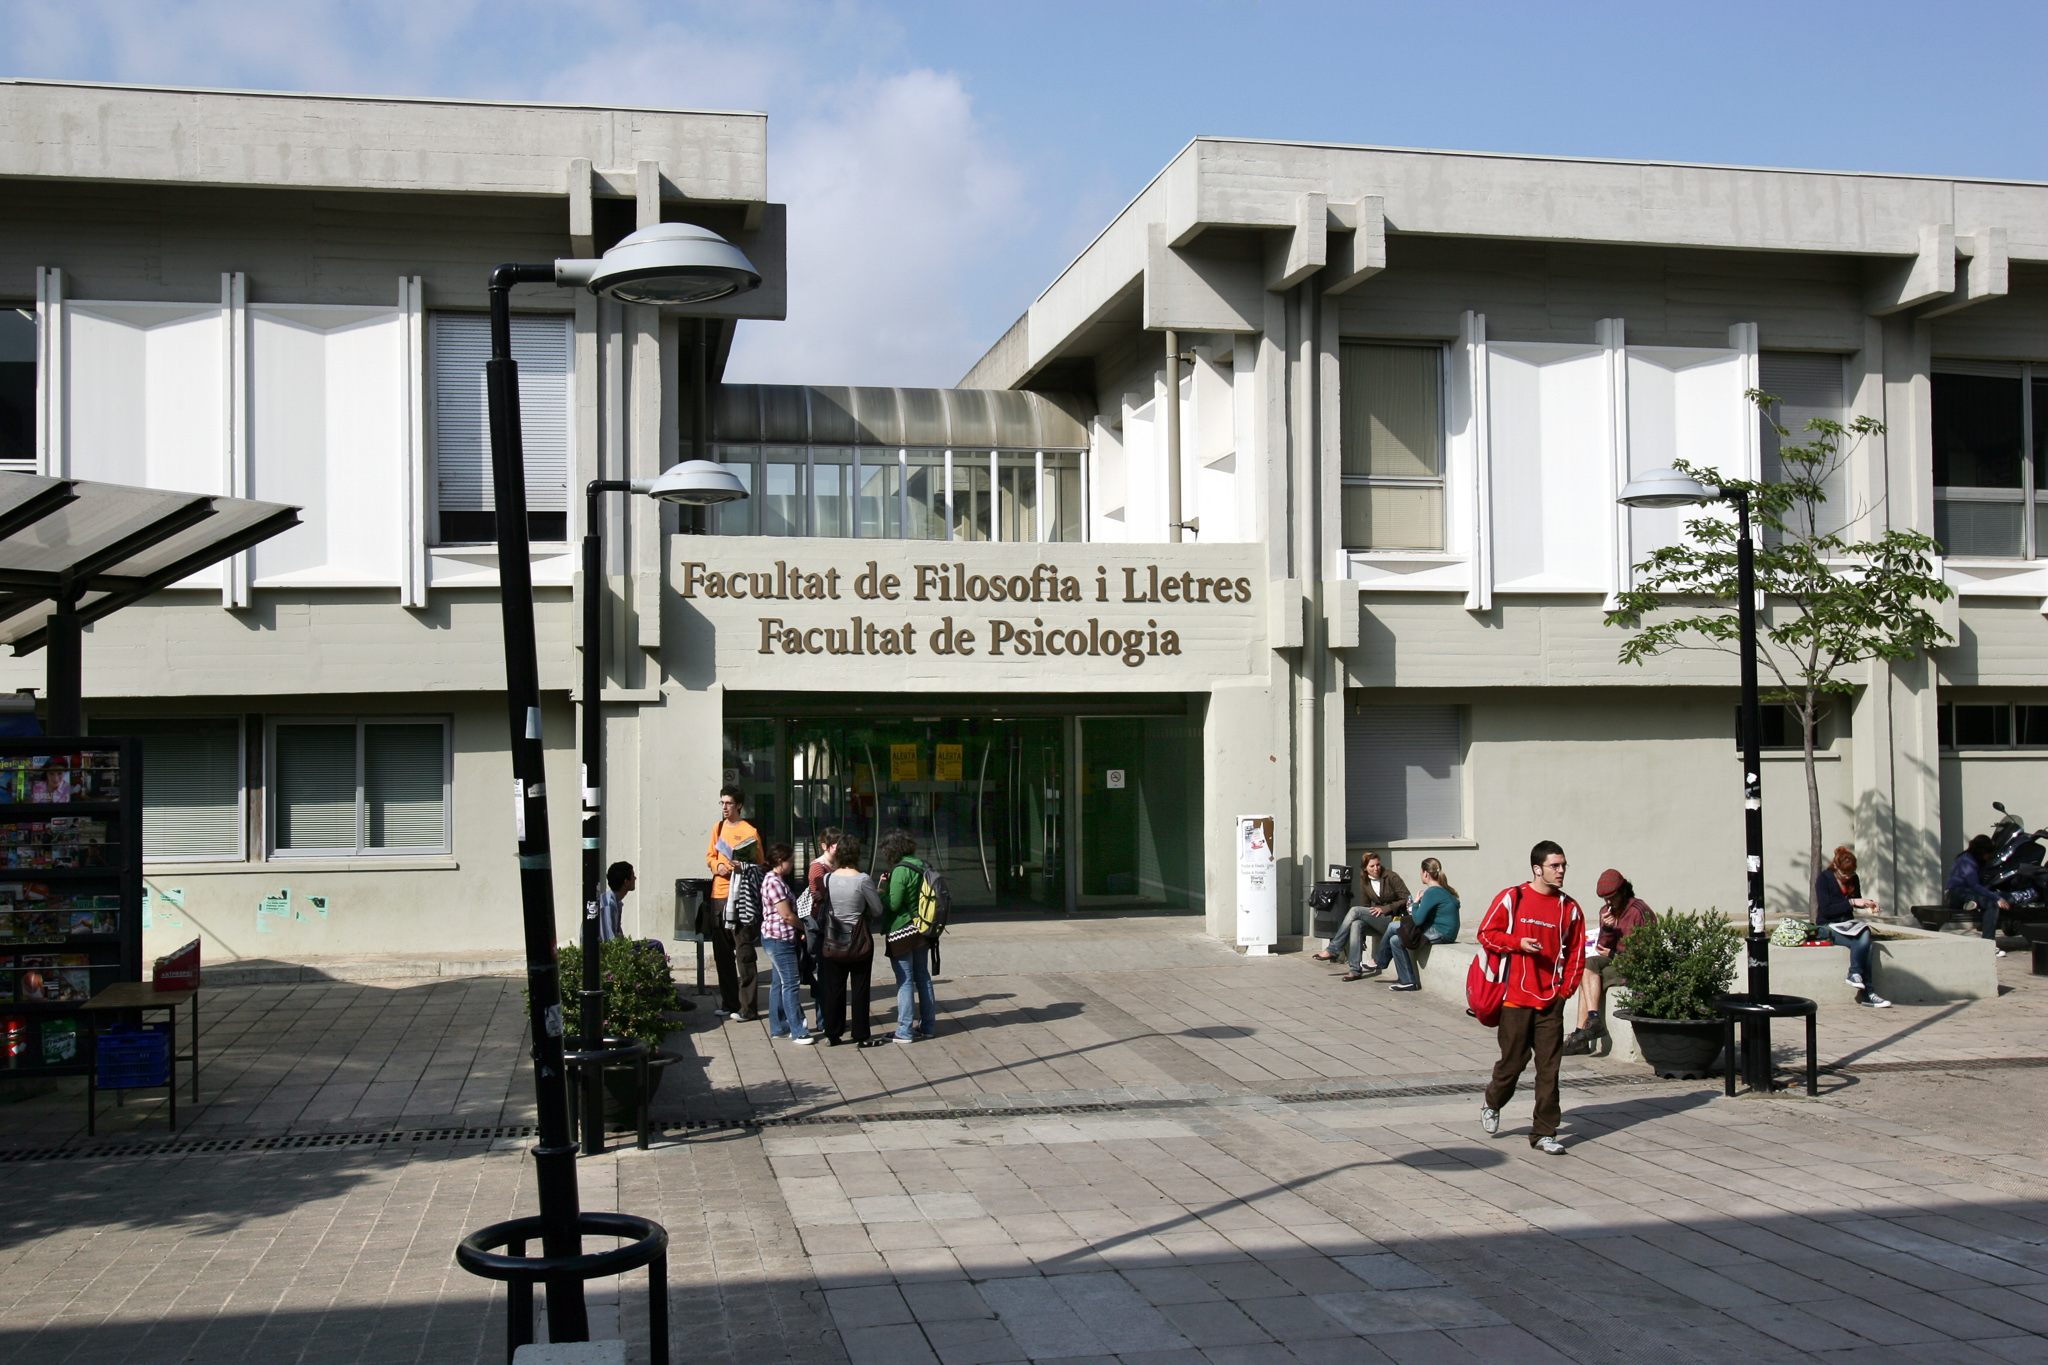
[458, 344]
[1403, 773]
[404, 799]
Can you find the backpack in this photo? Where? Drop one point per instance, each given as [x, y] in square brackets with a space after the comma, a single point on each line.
[931, 907]
[1486, 980]
[743, 896]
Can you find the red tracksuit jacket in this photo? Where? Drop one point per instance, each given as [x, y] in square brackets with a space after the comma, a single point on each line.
[1555, 922]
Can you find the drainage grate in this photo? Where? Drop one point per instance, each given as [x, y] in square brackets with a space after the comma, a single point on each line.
[1032, 1111]
[1983, 1064]
[284, 1142]
[1471, 1087]
[301, 1142]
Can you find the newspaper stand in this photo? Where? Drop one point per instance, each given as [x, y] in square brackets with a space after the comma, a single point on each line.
[70, 894]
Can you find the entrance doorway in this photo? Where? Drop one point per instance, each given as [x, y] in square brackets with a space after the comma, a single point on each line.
[1037, 811]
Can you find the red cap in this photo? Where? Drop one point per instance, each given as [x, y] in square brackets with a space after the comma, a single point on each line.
[1610, 882]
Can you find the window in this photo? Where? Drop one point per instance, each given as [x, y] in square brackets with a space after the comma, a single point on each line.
[1991, 725]
[1806, 386]
[1392, 439]
[458, 344]
[879, 494]
[344, 787]
[17, 389]
[192, 807]
[1778, 726]
[1988, 485]
[1403, 773]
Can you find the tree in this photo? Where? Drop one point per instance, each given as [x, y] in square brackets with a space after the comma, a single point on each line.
[1831, 601]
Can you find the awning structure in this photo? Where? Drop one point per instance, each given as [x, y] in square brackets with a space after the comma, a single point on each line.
[73, 551]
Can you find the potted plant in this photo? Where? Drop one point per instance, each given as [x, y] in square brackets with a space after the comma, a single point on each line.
[1675, 966]
[638, 989]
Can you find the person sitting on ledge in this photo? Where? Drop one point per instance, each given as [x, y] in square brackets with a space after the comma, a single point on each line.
[1621, 914]
[1382, 896]
[1432, 919]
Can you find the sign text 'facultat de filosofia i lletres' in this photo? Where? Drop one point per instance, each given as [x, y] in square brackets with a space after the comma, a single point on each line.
[1045, 584]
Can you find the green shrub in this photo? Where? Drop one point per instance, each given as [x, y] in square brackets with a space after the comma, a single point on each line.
[637, 988]
[1676, 964]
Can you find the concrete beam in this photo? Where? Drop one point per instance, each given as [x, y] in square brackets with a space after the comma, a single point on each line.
[647, 194]
[1894, 286]
[80, 131]
[582, 234]
[1986, 277]
[1358, 243]
[1194, 291]
[1302, 250]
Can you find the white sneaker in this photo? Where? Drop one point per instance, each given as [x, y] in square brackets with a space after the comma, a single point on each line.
[1547, 1145]
[1854, 980]
[1489, 1119]
[807, 1040]
[1999, 951]
[1876, 1001]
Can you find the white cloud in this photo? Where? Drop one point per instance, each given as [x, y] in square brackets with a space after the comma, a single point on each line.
[896, 198]
[900, 200]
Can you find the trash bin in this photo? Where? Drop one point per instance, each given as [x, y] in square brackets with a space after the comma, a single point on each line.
[693, 895]
[1329, 901]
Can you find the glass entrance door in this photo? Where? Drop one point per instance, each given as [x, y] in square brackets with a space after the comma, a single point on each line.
[993, 803]
[982, 797]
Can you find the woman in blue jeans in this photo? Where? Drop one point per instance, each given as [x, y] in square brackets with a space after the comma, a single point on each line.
[779, 933]
[916, 1009]
[1435, 913]
[1837, 896]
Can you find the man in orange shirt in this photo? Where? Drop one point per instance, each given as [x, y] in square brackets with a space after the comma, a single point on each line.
[1543, 933]
[732, 840]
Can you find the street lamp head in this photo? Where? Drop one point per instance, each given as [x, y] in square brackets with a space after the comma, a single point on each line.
[693, 483]
[1666, 488]
[665, 263]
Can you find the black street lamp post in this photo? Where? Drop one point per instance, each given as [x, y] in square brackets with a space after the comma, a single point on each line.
[670, 263]
[693, 483]
[1670, 488]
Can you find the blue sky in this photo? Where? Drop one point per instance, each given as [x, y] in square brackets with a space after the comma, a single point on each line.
[942, 161]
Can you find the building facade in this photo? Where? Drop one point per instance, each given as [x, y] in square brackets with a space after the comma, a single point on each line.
[1292, 497]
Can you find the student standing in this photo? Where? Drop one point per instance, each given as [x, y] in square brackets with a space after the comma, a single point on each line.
[733, 841]
[1543, 933]
[916, 1008]
[812, 941]
[846, 955]
[779, 930]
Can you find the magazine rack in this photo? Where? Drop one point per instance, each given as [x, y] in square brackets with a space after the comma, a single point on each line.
[70, 893]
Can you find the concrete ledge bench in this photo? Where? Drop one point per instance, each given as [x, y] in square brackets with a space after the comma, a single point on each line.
[1913, 967]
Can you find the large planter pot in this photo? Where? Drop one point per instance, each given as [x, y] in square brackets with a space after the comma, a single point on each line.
[1684, 1049]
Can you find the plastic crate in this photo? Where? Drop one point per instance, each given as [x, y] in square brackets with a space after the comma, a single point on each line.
[132, 1058]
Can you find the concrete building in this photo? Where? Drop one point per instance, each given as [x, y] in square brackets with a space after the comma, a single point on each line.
[1065, 627]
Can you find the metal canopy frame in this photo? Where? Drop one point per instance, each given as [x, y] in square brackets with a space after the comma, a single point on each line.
[74, 551]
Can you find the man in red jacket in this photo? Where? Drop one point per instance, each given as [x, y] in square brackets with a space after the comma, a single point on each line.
[1543, 933]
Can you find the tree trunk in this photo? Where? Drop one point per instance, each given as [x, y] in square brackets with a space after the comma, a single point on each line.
[1807, 723]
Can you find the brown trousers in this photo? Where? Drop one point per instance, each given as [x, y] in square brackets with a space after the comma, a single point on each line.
[1523, 1031]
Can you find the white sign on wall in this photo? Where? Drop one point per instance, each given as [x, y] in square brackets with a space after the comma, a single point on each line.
[1258, 907]
[1116, 779]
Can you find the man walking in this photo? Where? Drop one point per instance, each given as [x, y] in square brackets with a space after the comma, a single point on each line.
[1542, 932]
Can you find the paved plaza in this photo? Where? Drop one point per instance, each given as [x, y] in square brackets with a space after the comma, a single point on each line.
[1127, 1143]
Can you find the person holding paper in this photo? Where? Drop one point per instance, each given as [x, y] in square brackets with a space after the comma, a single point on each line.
[733, 841]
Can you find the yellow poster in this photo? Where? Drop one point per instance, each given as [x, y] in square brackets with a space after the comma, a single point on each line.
[903, 764]
[950, 762]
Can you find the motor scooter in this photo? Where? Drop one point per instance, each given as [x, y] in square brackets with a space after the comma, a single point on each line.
[2018, 870]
